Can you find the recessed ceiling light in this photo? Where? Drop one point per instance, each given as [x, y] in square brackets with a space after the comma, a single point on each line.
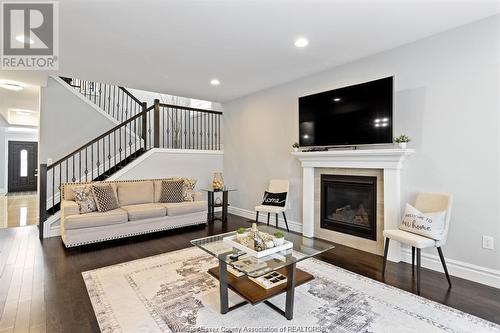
[22, 38]
[12, 85]
[301, 42]
[337, 99]
[214, 82]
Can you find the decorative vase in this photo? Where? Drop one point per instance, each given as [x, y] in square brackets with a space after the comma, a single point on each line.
[402, 145]
[278, 241]
[218, 181]
[241, 236]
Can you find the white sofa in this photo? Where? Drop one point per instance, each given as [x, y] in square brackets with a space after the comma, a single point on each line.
[140, 213]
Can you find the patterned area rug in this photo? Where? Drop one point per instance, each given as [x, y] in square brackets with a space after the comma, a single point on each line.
[173, 292]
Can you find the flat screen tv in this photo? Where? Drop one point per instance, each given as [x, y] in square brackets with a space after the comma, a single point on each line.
[354, 115]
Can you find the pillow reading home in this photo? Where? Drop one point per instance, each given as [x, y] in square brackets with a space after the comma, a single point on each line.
[274, 199]
[429, 225]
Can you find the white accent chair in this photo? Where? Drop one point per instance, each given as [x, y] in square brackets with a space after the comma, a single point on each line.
[426, 203]
[275, 186]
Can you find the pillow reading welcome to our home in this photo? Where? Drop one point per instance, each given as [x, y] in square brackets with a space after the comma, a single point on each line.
[274, 199]
[429, 225]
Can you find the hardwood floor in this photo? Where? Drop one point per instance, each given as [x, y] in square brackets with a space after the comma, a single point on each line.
[18, 209]
[42, 290]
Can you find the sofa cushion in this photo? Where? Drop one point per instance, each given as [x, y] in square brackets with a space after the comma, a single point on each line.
[185, 207]
[144, 211]
[133, 193]
[95, 219]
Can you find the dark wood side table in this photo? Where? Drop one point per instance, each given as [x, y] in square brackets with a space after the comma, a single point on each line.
[212, 204]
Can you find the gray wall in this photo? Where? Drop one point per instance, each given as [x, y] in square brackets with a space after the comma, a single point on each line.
[446, 100]
[66, 121]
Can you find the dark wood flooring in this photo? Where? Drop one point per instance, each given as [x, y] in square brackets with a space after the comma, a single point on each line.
[42, 290]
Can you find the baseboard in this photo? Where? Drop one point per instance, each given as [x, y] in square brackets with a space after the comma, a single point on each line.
[292, 225]
[464, 270]
[3, 191]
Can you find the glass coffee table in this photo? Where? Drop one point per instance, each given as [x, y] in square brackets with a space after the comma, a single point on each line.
[283, 262]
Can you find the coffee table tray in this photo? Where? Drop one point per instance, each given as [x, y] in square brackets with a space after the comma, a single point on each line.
[231, 241]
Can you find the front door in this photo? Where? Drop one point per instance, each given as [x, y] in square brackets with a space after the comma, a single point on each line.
[23, 160]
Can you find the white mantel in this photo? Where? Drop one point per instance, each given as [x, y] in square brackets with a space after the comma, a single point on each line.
[389, 160]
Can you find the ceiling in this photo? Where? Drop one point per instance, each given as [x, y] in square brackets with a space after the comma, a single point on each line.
[177, 47]
[20, 107]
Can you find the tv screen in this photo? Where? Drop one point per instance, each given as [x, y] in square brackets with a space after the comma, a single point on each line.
[353, 115]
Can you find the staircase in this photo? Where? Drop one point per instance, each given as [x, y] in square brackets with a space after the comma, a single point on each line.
[140, 129]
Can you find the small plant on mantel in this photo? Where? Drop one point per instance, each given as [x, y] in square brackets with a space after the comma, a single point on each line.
[295, 146]
[402, 140]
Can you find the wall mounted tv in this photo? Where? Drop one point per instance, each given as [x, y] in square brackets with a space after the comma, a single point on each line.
[354, 115]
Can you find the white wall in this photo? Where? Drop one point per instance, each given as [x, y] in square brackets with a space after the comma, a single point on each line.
[163, 163]
[446, 99]
[67, 120]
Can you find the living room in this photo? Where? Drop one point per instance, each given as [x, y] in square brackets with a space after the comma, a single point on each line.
[334, 170]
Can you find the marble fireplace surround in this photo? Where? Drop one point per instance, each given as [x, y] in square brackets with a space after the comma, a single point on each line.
[386, 164]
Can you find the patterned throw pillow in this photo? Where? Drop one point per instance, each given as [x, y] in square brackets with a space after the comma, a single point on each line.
[274, 199]
[105, 197]
[85, 199]
[429, 225]
[189, 184]
[172, 190]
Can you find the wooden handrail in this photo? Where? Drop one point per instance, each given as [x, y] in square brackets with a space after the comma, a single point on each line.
[173, 106]
[130, 95]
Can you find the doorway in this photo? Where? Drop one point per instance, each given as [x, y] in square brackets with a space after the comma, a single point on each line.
[22, 167]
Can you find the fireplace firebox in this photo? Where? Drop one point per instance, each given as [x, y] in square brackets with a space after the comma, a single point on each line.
[349, 205]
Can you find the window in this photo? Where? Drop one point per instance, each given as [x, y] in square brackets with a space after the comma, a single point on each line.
[24, 163]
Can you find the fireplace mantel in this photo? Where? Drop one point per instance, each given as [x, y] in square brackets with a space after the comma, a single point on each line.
[388, 160]
[360, 158]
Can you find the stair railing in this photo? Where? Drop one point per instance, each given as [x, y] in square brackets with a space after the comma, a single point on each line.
[116, 101]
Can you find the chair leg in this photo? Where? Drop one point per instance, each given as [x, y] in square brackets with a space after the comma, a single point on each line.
[268, 216]
[386, 250]
[418, 270]
[444, 265]
[286, 222]
[412, 260]
[276, 220]
[257, 217]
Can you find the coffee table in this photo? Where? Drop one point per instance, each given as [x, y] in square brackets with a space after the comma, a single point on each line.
[284, 262]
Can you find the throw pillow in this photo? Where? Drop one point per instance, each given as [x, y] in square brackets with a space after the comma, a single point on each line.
[274, 199]
[429, 225]
[85, 199]
[105, 197]
[189, 184]
[172, 190]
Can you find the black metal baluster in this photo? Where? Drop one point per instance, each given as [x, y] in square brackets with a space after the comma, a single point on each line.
[86, 164]
[67, 173]
[53, 189]
[98, 164]
[123, 106]
[114, 146]
[104, 157]
[80, 166]
[135, 135]
[109, 154]
[120, 146]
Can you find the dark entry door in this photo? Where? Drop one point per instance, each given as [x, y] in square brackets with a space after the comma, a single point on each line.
[23, 160]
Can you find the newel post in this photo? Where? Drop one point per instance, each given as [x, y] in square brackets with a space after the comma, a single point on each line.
[42, 204]
[145, 125]
[157, 124]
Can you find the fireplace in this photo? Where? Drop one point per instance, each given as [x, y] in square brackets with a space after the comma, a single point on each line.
[349, 205]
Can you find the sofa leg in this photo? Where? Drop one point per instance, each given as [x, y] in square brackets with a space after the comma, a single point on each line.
[386, 250]
[257, 217]
[268, 217]
[444, 266]
[276, 220]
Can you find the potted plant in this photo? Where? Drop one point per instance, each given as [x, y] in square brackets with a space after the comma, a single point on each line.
[279, 238]
[241, 233]
[295, 147]
[402, 140]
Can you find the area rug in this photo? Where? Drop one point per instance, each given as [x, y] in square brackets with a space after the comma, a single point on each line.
[173, 292]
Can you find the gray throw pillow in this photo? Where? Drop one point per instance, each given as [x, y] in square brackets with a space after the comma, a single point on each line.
[172, 190]
[85, 199]
[105, 197]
